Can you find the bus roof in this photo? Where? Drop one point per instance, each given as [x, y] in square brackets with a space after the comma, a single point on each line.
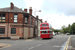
[44, 23]
[47, 23]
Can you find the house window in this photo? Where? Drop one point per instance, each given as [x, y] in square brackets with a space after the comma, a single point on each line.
[13, 30]
[2, 17]
[35, 30]
[15, 18]
[36, 23]
[2, 30]
[26, 20]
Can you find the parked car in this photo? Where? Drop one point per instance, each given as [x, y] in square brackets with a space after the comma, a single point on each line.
[67, 33]
[54, 33]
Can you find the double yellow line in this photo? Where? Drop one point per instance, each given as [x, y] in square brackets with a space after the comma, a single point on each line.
[68, 44]
[5, 46]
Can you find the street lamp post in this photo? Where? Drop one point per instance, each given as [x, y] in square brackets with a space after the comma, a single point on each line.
[36, 11]
[37, 20]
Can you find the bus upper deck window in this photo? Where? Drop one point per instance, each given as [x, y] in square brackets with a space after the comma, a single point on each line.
[45, 24]
[45, 28]
[42, 24]
[42, 28]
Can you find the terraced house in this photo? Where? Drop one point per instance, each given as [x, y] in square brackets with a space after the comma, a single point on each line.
[17, 22]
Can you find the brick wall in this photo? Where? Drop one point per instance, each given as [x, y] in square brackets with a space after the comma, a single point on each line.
[20, 18]
[6, 17]
[11, 15]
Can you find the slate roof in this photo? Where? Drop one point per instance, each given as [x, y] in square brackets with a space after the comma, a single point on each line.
[15, 9]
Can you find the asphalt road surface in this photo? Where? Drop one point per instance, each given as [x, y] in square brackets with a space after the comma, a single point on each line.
[41, 44]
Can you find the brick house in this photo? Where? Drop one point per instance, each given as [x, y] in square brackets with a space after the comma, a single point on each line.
[39, 22]
[16, 22]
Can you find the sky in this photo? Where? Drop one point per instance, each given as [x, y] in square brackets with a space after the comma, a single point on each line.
[56, 12]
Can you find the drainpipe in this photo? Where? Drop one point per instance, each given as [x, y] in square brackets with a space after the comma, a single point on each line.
[23, 26]
[8, 25]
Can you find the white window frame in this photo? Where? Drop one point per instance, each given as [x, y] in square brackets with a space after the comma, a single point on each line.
[26, 20]
[15, 18]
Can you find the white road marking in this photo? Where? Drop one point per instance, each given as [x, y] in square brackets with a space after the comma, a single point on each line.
[51, 40]
[46, 42]
[30, 48]
[15, 43]
[38, 45]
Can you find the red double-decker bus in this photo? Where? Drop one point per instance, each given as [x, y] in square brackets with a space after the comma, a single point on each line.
[46, 30]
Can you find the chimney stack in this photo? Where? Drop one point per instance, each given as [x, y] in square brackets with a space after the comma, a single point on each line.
[25, 10]
[37, 16]
[45, 21]
[41, 20]
[30, 10]
[12, 6]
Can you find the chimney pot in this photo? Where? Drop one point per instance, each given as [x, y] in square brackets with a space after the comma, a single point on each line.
[37, 16]
[12, 6]
[30, 7]
[25, 10]
[41, 20]
[45, 21]
[30, 10]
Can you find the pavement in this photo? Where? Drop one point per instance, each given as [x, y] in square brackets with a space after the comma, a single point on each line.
[73, 42]
[54, 43]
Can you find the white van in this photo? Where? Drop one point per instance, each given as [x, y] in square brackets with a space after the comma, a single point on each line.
[54, 33]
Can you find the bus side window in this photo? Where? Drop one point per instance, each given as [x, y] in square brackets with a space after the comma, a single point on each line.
[42, 31]
[50, 31]
[45, 32]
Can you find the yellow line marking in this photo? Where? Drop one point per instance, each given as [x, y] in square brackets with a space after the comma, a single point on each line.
[67, 43]
[5, 46]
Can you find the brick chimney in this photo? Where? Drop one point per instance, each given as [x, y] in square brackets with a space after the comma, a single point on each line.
[25, 10]
[45, 21]
[41, 20]
[11, 6]
[30, 10]
[37, 16]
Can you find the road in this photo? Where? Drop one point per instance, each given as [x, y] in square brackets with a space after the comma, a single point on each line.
[42, 44]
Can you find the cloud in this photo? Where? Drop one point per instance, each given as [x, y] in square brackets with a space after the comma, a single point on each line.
[34, 3]
[58, 21]
[66, 7]
[56, 12]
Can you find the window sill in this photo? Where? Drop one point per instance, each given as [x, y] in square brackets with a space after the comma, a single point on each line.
[15, 22]
[13, 34]
[2, 22]
[2, 34]
[26, 23]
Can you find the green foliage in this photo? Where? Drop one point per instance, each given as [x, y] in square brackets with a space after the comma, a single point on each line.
[69, 29]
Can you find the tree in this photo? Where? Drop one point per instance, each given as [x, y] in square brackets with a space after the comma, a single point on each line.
[65, 29]
[72, 29]
[56, 31]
